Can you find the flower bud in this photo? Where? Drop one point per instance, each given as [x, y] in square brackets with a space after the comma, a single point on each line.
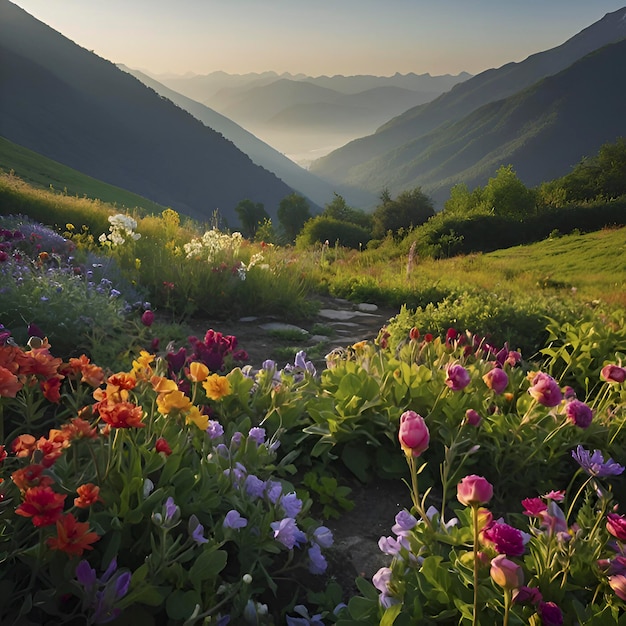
[147, 318]
[550, 614]
[506, 573]
[616, 525]
[613, 373]
[472, 417]
[457, 377]
[618, 584]
[496, 379]
[473, 490]
[413, 434]
[578, 413]
[545, 390]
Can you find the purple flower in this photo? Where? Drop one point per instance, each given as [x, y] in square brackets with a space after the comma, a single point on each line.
[457, 377]
[404, 523]
[85, 575]
[496, 379]
[505, 539]
[545, 390]
[214, 429]
[594, 464]
[235, 440]
[381, 580]
[170, 509]
[273, 489]
[254, 486]
[234, 520]
[389, 545]
[196, 530]
[291, 504]
[287, 532]
[323, 536]
[550, 614]
[317, 562]
[579, 413]
[257, 435]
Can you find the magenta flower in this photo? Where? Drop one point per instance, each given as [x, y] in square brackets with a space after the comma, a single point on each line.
[579, 413]
[472, 417]
[413, 434]
[504, 538]
[457, 377]
[147, 319]
[534, 507]
[527, 595]
[613, 373]
[496, 379]
[550, 614]
[616, 525]
[545, 390]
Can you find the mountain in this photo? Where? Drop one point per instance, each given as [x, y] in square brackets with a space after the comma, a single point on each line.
[369, 160]
[319, 191]
[72, 106]
[306, 117]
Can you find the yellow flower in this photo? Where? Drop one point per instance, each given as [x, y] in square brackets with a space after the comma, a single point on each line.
[163, 385]
[199, 419]
[198, 372]
[216, 386]
[141, 365]
[173, 401]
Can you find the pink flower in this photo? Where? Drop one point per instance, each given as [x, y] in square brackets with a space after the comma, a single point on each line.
[579, 413]
[496, 379]
[550, 614]
[413, 434]
[147, 318]
[613, 373]
[513, 358]
[474, 490]
[505, 539]
[457, 377]
[618, 584]
[534, 507]
[527, 595]
[506, 573]
[557, 496]
[545, 390]
[616, 525]
[472, 417]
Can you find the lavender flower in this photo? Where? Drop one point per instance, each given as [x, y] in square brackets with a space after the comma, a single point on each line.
[594, 464]
[196, 530]
[214, 429]
[254, 486]
[404, 523]
[287, 532]
[257, 435]
[273, 489]
[323, 536]
[234, 520]
[317, 562]
[291, 504]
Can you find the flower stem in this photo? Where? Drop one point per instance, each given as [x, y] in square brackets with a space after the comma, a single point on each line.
[507, 606]
[475, 528]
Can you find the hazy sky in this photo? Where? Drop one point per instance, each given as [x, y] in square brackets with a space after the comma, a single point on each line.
[318, 36]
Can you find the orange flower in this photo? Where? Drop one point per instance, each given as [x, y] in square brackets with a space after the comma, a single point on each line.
[173, 401]
[163, 385]
[9, 383]
[9, 358]
[216, 386]
[91, 374]
[122, 380]
[198, 372]
[88, 494]
[42, 504]
[121, 415]
[78, 428]
[39, 362]
[73, 537]
[31, 476]
[23, 445]
[51, 389]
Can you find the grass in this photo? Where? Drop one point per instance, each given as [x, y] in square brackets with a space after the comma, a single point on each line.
[42, 172]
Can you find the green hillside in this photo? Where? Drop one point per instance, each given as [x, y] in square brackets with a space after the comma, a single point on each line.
[43, 172]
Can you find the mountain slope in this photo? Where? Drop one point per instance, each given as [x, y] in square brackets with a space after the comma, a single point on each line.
[319, 191]
[66, 103]
[542, 131]
[347, 162]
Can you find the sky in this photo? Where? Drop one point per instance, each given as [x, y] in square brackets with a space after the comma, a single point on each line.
[318, 37]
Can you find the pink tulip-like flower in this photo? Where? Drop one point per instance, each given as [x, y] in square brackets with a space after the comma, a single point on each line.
[474, 490]
[550, 614]
[147, 318]
[506, 573]
[616, 525]
[545, 390]
[472, 417]
[613, 373]
[618, 584]
[413, 434]
[504, 539]
[457, 377]
[579, 413]
[496, 379]
[527, 595]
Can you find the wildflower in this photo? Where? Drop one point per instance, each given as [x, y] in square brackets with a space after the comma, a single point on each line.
[121, 415]
[273, 490]
[195, 416]
[506, 573]
[545, 390]
[457, 377]
[496, 379]
[304, 620]
[472, 417]
[291, 504]
[23, 445]
[198, 372]
[73, 537]
[527, 595]
[317, 562]
[216, 387]
[234, 520]
[287, 532]
[78, 428]
[550, 614]
[257, 435]
[88, 494]
[254, 486]
[42, 504]
[474, 490]
[91, 374]
[323, 536]
[616, 525]
[381, 580]
[594, 464]
[579, 413]
[613, 373]
[31, 476]
[534, 507]
[196, 530]
[147, 319]
[405, 522]
[173, 401]
[214, 429]
[161, 445]
[504, 538]
[413, 434]
[51, 389]
[618, 584]
[9, 384]
[557, 496]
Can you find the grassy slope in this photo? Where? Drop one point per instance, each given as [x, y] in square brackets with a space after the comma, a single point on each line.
[43, 172]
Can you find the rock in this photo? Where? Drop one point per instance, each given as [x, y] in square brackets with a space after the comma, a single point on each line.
[282, 326]
[365, 307]
[339, 315]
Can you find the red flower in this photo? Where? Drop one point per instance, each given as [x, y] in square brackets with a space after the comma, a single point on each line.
[31, 476]
[121, 415]
[88, 494]
[161, 445]
[3, 454]
[147, 319]
[78, 428]
[51, 450]
[43, 504]
[51, 389]
[73, 537]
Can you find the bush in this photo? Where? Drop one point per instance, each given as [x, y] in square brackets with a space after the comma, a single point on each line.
[321, 229]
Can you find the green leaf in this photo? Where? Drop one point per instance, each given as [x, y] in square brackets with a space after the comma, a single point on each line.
[367, 589]
[209, 564]
[390, 614]
[181, 604]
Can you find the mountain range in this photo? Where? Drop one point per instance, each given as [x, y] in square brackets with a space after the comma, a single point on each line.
[72, 106]
[542, 115]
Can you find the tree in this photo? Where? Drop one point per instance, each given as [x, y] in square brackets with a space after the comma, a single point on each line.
[506, 194]
[337, 209]
[251, 216]
[293, 212]
[411, 208]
